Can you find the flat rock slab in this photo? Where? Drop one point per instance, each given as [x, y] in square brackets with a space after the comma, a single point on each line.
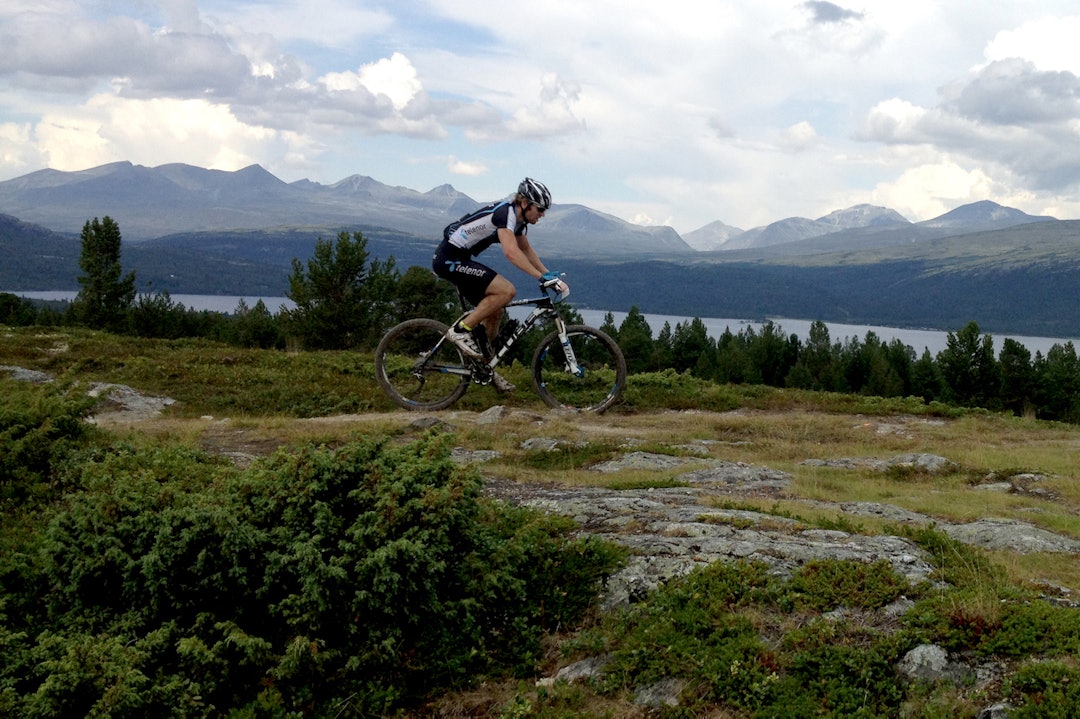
[672, 531]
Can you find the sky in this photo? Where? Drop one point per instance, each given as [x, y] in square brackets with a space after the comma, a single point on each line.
[674, 112]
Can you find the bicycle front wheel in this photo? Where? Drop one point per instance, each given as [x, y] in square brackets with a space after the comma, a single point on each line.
[600, 375]
[418, 369]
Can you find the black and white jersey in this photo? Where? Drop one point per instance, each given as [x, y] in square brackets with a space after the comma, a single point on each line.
[476, 231]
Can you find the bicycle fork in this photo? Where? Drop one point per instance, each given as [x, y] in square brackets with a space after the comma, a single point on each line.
[572, 365]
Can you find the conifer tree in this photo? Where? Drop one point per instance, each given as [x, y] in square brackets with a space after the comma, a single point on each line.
[106, 296]
[343, 300]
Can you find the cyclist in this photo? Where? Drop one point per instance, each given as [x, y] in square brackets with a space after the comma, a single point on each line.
[506, 222]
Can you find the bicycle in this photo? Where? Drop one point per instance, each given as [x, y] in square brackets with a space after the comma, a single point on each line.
[574, 367]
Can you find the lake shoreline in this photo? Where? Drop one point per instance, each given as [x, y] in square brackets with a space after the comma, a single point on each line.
[918, 339]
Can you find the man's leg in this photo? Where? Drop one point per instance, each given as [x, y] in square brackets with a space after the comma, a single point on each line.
[489, 311]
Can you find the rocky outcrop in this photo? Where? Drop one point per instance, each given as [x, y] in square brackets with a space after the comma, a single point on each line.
[672, 530]
[116, 402]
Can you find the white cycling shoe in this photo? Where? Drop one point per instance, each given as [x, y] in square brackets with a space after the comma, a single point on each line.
[465, 342]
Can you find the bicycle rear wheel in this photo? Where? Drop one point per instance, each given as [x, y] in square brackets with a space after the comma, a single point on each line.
[602, 365]
[418, 369]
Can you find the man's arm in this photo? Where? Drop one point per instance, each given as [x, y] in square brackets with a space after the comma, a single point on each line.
[521, 254]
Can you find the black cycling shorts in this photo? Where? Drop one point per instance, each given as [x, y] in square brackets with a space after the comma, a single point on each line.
[457, 265]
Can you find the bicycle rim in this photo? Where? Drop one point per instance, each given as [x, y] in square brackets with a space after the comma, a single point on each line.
[603, 371]
[416, 370]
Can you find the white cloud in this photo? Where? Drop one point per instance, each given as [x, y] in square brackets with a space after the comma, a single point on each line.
[393, 77]
[17, 150]
[334, 23]
[468, 169]
[892, 119]
[800, 136]
[143, 131]
[550, 114]
[932, 189]
[1049, 42]
[1009, 119]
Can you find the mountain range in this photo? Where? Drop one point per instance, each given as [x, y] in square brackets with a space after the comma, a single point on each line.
[198, 231]
[172, 199]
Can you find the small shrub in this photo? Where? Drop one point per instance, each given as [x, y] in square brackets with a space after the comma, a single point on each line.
[567, 457]
[1035, 628]
[846, 679]
[672, 390]
[701, 629]
[1046, 690]
[316, 582]
[957, 564]
[690, 629]
[39, 426]
[826, 585]
[840, 524]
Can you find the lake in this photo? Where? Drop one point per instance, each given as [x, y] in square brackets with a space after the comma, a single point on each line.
[213, 303]
[933, 340]
[918, 339]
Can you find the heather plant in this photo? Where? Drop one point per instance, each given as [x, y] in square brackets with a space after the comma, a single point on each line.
[319, 582]
[823, 586]
[40, 424]
[718, 632]
[1047, 689]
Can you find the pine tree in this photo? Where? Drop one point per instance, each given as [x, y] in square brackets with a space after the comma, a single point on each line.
[635, 339]
[105, 297]
[343, 301]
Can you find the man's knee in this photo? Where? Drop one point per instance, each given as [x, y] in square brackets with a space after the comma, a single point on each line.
[502, 292]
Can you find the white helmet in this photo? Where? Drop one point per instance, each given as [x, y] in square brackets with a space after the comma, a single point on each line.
[535, 192]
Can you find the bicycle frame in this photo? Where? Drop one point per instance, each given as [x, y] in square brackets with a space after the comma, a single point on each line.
[542, 307]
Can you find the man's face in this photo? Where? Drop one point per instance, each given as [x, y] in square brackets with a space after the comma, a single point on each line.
[533, 213]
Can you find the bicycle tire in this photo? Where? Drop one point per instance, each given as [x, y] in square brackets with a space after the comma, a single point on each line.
[412, 381]
[601, 360]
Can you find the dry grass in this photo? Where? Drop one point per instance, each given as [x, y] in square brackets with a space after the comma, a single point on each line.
[987, 450]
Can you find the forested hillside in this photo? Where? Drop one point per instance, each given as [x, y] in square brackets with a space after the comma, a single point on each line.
[1018, 280]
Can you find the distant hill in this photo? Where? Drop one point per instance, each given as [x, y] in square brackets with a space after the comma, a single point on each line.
[1020, 280]
[152, 202]
[860, 216]
[149, 203]
[35, 257]
[857, 227]
[797, 229]
[175, 199]
[194, 231]
[713, 236]
[984, 215]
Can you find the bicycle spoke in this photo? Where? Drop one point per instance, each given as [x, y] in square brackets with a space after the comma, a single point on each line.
[418, 370]
[600, 370]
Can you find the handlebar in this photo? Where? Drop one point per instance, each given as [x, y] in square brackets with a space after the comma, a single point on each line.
[556, 285]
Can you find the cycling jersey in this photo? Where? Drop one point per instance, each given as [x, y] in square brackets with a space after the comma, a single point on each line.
[478, 230]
